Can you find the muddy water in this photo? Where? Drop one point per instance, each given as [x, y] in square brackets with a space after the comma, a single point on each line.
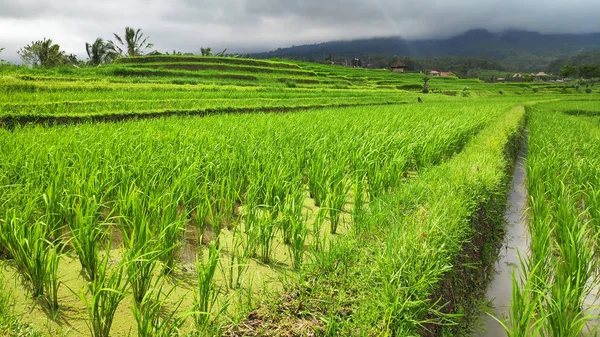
[500, 289]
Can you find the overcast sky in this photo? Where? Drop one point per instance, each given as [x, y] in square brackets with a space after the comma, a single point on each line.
[260, 25]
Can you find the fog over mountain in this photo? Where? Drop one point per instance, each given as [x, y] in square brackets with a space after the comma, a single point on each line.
[260, 25]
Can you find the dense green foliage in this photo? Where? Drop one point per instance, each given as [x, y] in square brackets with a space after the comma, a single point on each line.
[358, 211]
[564, 186]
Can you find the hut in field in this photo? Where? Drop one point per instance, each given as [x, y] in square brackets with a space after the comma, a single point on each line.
[541, 74]
[434, 73]
[399, 67]
[446, 74]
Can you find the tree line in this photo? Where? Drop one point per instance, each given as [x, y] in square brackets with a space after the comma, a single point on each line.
[46, 53]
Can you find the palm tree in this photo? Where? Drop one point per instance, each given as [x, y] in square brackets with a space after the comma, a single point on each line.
[133, 43]
[43, 53]
[206, 51]
[100, 52]
[221, 54]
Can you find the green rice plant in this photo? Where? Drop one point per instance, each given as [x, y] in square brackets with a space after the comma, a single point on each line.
[86, 233]
[51, 282]
[358, 187]
[53, 201]
[562, 229]
[170, 233]
[141, 254]
[317, 180]
[336, 198]
[251, 220]
[35, 256]
[104, 295]
[524, 317]
[299, 232]
[238, 261]
[267, 228]
[317, 227]
[292, 212]
[571, 278]
[205, 295]
[149, 316]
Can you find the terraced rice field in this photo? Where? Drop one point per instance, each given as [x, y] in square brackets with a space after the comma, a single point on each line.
[210, 196]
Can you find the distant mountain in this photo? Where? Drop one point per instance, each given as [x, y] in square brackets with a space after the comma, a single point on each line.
[516, 50]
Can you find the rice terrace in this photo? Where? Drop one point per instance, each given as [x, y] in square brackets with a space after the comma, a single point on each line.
[147, 194]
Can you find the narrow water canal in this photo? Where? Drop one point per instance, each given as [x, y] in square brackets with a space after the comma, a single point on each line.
[500, 289]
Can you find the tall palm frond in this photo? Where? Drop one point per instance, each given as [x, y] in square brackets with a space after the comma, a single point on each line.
[100, 52]
[133, 43]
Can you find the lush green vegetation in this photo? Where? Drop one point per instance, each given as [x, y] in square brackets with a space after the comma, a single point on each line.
[358, 212]
[563, 182]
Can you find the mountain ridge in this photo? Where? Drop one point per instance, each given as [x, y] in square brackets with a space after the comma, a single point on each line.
[515, 49]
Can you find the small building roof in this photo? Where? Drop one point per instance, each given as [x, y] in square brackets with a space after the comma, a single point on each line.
[399, 65]
[541, 73]
[434, 72]
[517, 75]
[446, 73]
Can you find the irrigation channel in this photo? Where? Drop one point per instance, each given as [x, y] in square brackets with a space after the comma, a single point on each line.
[515, 243]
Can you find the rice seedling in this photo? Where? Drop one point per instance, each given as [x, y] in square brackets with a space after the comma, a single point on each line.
[317, 227]
[104, 295]
[266, 228]
[170, 233]
[205, 296]
[36, 258]
[238, 261]
[336, 197]
[148, 314]
[86, 232]
[141, 253]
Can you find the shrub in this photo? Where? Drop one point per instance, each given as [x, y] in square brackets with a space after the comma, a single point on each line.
[291, 84]
[501, 92]
[588, 91]
[535, 89]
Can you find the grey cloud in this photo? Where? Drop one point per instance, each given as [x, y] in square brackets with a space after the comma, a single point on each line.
[255, 25]
[22, 8]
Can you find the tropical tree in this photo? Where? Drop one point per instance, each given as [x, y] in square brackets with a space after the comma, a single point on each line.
[2, 62]
[100, 52]
[568, 70]
[133, 43]
[206, 51]
[222, 53]
[43, 53]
